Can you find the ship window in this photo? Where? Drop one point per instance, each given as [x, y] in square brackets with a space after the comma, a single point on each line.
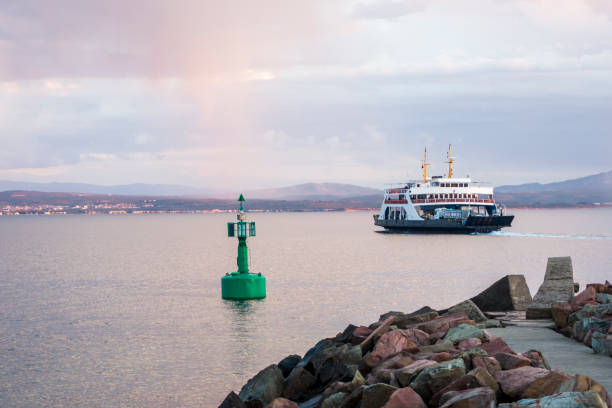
[454, 185]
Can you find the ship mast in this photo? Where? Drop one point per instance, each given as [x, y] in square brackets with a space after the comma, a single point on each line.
[450, 162]
[424, 166]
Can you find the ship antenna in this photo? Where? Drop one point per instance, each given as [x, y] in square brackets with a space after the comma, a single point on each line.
[424, 166]
[450, 162]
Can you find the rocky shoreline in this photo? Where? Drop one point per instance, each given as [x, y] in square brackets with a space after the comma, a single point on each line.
[426, 358]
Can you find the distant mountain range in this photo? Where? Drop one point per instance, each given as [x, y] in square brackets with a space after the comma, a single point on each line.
[577, 192]
[315, 191]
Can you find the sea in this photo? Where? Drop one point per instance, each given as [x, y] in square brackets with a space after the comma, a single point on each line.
[126, 310]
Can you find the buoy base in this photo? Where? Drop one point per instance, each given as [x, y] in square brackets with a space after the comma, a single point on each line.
[243, 286]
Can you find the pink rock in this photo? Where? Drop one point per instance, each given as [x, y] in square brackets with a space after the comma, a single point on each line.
[599, 287]
[442, 324]
[581, 299]
[509, 361]
[405, 397]
[514, 382]
[417, 336]
[366, 345]
[360, 334]
[488, 336]
[389, 343]
[496, 346]
[469, 343]
[560, 313]
[404, 375]
[282, 403]
[439, 357]
[482, 397]
[488, 363]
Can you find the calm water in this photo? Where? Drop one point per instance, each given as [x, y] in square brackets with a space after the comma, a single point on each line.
[126, 310]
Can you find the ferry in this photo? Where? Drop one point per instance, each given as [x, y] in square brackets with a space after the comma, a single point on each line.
[442, 204]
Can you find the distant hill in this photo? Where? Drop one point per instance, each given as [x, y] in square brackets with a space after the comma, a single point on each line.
[315, 191]
[581, 191]
[124, 189]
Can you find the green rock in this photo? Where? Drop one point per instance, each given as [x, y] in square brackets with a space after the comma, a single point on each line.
[334, 400]
[376, 395]
[587, 399]
[265, 386]
[462, 332]
[603, 298]
[598, 343]
[433, 378]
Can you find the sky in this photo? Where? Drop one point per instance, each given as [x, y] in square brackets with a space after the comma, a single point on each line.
[269, 93]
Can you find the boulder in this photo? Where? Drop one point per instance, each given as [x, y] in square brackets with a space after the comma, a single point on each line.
[432, 379]
[405, 398]
[264, 387]
[334, 401]
[603, 298]
[514, 382]
[405, 375]
[288, 363]
[496, 346]
[282, 403]
[367, 344]
[509, 293]
[584, 297]
[443, 345]
[558, 286]
[298, 383]
[476, 378]
[376, 395]
[581, 383]
[490, 323]
[389, 343]
[468, 355]
[537, 359]
[470, 308]
[232, 401]
[488, 363]
[462, 332]
[382, 372]
[509, 361]
[588, 399]
[417, 336]
[360, 334]
[467, 344]
[442, 324]
[547, 385]
[560, 312]
[404, 321]
[599, 287]
[481, 397]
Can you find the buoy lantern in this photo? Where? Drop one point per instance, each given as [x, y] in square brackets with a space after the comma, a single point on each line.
[242, 284]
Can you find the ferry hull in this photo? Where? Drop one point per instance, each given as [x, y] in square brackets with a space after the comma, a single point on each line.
[472, 224]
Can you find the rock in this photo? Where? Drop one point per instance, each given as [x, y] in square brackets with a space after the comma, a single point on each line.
[592, 323]
[405, 375]
[581, 383]
[514, 382]
[560, 312]
[558, 286]
[484, 378]
[609, 344]
[360, 334]
[603, 298]
[382, 372]
[232, 401]
[509, 293]
[488, 363]
[547, 385]
[537, 359]
[314, 352]
[470, 308]
[367, 344]
[442, 324]
[297, 383]
[587, 295]
[489, 324]
[476, 378]
[496, 346]
[282, 403]
[346, 335]
[432, 379]
[509, 361]
[405, 398]
[462, 332]
[334, 401]
[588, 399]
[469, 343]
[443, 345]
[468, 355]
[599, 287]
[417, 336]
[288, 363]
[264, 387]
[404, 321]
[377, 395]
[481, 397]
[389, 343]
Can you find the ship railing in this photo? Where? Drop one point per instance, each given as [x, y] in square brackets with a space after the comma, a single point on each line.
[396, 191]
[442, 200]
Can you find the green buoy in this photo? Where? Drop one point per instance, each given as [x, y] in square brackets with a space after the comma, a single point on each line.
[242, 285]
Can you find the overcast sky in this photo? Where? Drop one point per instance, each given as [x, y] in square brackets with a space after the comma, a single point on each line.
[254, 94]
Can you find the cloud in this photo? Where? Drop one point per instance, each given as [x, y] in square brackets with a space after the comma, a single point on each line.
[388, 9]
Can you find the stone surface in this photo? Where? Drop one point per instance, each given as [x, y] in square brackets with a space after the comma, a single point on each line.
[488, 363]
[560, 312]
[603, 298]
[514, 382]
[598, 343]
[470, 308]
[404, 321]
[288, 363]
[265, 386]
[584, 297]
[367, 344]
[547, 385]
[537, 359]
[441, 346]
[297, 383]
[476, 378]
[405, 375]
[509, 361]
[232, 401]
[432, 379]
[405, 398]
[334, 401]
[389, 343]
[469, 343]
[582, 383]
[377, 395]
[282, 403]
[442, 324]
[360, 334]
[587, 399]
[509, 293]
[482, 397]
[558, 286]
[462, 332]
[496, 346]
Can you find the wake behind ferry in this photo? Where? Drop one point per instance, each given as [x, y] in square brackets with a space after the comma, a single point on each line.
[441, 204]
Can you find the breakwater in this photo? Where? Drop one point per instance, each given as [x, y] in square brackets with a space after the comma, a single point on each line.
[428, 358]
